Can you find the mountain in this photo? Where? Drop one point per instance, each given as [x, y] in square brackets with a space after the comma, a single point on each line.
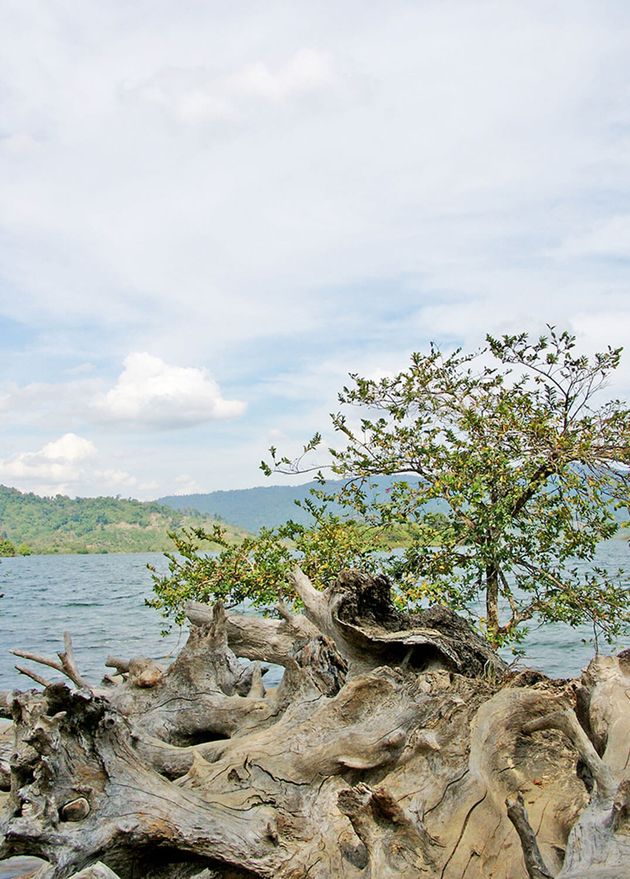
[269, 506]
[264, 506]
[250, 508]
[101, 524]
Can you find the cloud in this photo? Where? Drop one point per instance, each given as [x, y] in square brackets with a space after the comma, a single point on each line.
[70, 465]
[195, 95]
[117, 480]
[288, 193]
[605, 239]
[449, 158]
[185, 484]
[59, 463]
[69, 448]
[18, 146]
[150, 393]
[49, 404]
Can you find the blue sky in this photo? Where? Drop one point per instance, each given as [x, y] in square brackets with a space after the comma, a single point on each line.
[210, 213]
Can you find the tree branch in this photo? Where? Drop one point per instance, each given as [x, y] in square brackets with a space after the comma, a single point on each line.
[67, 666]
[256, 637]
[314, 601]
[33, 676]
[567, 723]
[534, 863]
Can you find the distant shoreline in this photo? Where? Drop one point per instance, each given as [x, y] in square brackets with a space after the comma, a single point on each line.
[621, 535]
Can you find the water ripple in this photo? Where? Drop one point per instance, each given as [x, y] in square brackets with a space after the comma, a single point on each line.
[99, 599]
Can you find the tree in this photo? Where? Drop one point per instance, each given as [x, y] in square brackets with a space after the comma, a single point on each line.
[505, 468]
[7, 549]
[207, 566]
[527, 466]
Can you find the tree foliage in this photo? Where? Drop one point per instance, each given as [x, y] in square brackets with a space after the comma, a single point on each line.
[7, 549]
[255, 570]
[509, 468]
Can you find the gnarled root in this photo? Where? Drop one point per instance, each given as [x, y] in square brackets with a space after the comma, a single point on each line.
[599, 843]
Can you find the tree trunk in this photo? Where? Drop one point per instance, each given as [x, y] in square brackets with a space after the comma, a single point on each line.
[492, 600]
[389, 749]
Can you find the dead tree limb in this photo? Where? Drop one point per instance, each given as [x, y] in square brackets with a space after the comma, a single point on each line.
[567, 723]
[534, 864]
[358, 614]
[66, 666]
[29, 673]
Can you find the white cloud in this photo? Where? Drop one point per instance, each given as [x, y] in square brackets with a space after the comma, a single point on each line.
[116, 478]
[49, 404]
[308, 70]
[448, 158]
[69, 448]
[71, 465]
[606, 238]
[18, 145]
[151, 393]
[59, 464]
[285, 194]
[194, 95]
[185, 484]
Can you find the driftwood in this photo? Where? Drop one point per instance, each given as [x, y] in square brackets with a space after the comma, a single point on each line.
[394, 746]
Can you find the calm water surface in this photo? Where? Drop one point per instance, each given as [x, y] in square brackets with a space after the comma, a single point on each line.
[99, 599]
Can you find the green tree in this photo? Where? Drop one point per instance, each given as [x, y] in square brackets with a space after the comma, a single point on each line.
[523, 458]
[7, 549]
[507, 467]
[207, 565]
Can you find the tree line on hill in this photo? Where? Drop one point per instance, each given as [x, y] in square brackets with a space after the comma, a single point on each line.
[60, 524]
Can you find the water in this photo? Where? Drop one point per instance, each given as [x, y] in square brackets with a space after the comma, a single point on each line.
[99, 599]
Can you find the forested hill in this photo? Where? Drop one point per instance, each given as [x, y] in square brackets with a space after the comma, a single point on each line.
[254, 508]
[100, 524]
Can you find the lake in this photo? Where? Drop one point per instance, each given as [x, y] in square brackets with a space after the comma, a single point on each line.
[99, 599]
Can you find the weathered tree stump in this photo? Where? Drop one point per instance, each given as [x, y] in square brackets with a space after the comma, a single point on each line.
[394, 746]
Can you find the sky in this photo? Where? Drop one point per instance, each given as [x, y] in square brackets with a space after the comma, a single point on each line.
[211, 213]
